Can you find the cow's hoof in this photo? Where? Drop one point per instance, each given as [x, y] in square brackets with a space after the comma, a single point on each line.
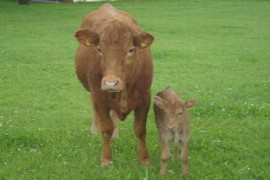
[145, 162]
[106, 163]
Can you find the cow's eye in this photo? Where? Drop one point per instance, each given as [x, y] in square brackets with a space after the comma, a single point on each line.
[99, 50]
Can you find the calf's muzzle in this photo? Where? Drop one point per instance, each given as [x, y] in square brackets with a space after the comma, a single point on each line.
[171, 125]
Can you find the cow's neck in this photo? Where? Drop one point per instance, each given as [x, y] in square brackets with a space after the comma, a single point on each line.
[119, 103]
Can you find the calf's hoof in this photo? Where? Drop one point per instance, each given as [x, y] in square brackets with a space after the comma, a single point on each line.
[186, 173]
[176, 155]
[145, 162]
[161, 173]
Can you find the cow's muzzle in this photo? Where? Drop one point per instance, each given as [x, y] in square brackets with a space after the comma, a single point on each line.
[111, 84]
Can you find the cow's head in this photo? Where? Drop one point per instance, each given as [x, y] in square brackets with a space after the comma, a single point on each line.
[118, 47]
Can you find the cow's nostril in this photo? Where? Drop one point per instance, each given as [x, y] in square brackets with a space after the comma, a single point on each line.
[111, 84]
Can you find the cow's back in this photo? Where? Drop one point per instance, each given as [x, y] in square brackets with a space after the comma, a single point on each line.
[105, 13]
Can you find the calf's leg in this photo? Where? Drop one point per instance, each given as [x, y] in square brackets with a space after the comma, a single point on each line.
[165, 155]
[184, 157]
[176, 145]
[176, 151]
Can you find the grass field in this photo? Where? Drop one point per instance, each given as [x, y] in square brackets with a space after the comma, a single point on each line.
[215, 51]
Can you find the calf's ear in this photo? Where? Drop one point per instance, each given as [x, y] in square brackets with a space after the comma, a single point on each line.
[143, 40]
[87, 37]
[159, 102]
[191, 103]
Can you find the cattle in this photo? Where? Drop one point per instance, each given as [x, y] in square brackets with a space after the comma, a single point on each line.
[114, 63]
[173, 124]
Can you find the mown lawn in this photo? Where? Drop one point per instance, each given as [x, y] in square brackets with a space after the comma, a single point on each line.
[215, 51]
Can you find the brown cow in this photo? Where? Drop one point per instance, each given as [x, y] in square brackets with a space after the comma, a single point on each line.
[114, 63]
[172, 120]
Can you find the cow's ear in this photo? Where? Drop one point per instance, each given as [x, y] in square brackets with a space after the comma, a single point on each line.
[87, 37]
[143, 40]
[191, 103]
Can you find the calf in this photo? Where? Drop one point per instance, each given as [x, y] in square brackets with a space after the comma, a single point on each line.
[172, 120]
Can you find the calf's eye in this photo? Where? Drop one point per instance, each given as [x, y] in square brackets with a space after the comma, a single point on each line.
[99, 50]
[131, 50]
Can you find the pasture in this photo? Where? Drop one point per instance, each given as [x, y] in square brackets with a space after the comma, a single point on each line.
[212, 50]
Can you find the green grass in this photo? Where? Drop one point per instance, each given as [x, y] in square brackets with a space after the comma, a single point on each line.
[212, 50]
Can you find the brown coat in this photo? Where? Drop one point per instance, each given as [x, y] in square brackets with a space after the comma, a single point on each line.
[114, 63]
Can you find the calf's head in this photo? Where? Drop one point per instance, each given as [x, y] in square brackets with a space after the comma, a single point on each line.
[116, 46]
[175, 110]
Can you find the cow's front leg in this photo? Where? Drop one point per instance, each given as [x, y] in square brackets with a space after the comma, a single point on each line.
[106, 129]
[140, 131]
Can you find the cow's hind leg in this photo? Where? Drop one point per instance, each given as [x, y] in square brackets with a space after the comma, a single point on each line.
[95, 129]
[140, 131]
[95, 124]
[115, 118]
